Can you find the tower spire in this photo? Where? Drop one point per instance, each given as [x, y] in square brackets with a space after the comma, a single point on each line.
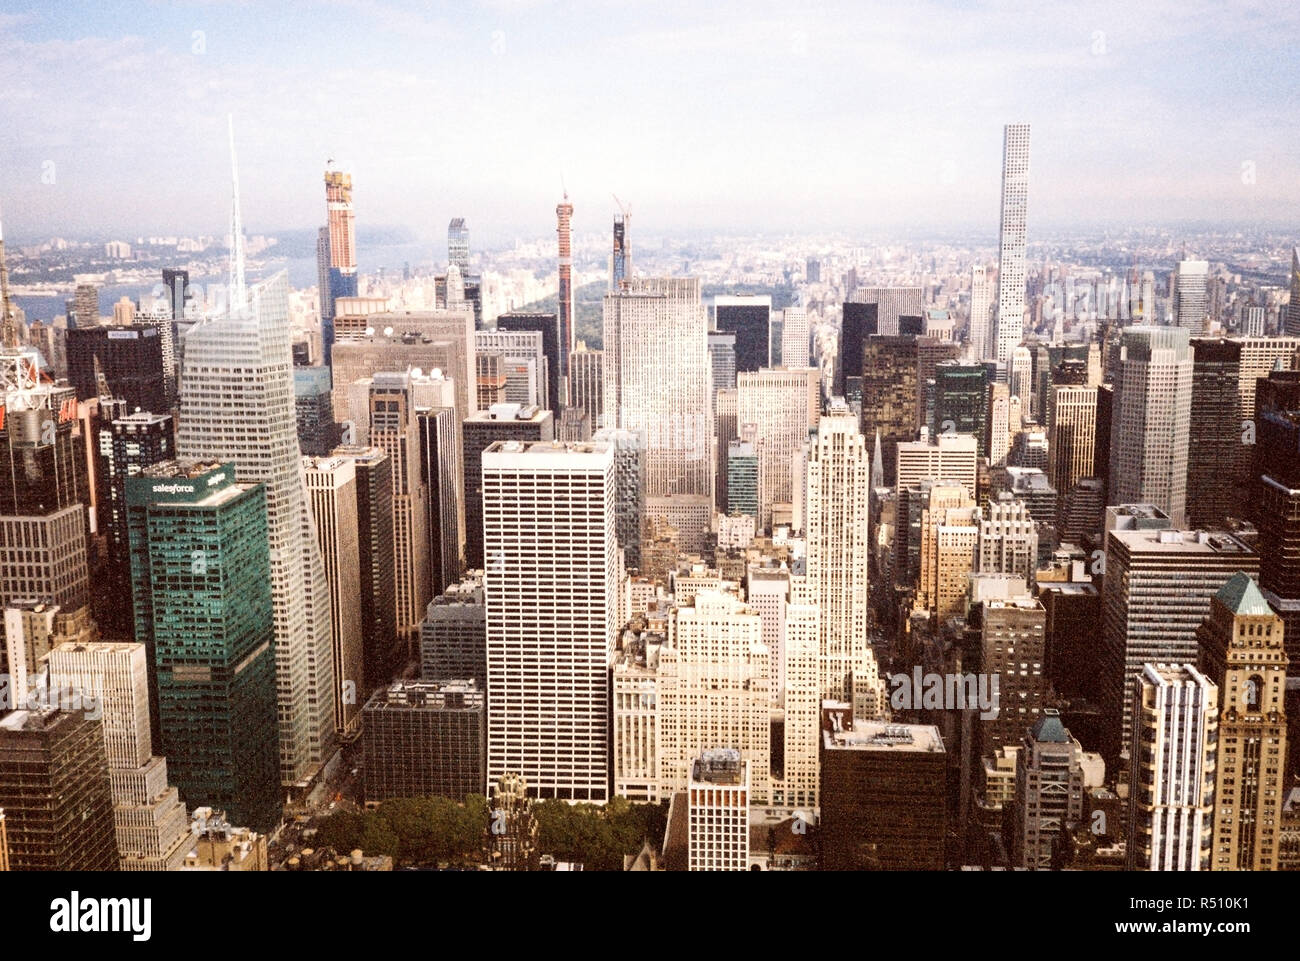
[8, 325]
[877, 464]
[238, 295]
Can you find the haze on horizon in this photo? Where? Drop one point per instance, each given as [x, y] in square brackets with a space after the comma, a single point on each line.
[737, 117]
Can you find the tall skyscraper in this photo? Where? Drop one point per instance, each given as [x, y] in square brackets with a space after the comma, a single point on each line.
[237, 406]
[453, 637]
[152, 827]
[332, 493]
[794, 337]
[481, 431]
[657, 380]
[620, 260]
[440, 472]
[203, 587]
[1276, 496]
[587, 383]
[836, 508]
[859, 322]
[629, 489]
[129, 358]
[563, 215]
[551, 591]
[893, 305]
[1242, 652]
[458, 245]
[548, 327]
[55, 792]
[1011, 246]
[978, 346]
[1174, 749]
[749, 317]
[889, 394]
[342, 239]
[1151, 420]
[1191, 306]
[424, 738]
[1049, 791]
[961, 401]
[1071, 434]
[1156, 592]
[1292, 325]
[782, 406]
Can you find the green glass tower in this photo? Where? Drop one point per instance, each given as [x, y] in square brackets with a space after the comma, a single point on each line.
[201, 584]
[961, 400]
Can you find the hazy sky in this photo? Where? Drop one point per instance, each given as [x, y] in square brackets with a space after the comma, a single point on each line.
[741, 115]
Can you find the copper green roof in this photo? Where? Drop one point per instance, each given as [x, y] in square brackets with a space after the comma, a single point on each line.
[1241, 596]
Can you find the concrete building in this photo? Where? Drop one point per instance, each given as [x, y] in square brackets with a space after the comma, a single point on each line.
[1049, 792]
[948, 457]
[453, 637]
[783, 406]
[1010, 329]
[502, 422]
[425, 738]
[718, 811]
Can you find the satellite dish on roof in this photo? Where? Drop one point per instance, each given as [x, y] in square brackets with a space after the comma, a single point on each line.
[416, 372]
[370, 331]
[436, 373]
[388, 332]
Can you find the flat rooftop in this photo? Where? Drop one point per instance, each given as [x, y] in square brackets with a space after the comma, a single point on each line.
[882, 736]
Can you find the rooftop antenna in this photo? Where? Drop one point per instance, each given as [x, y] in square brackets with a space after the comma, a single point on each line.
[238, 296]
[563, 188]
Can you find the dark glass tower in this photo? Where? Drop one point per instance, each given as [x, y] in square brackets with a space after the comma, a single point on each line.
[750, 319]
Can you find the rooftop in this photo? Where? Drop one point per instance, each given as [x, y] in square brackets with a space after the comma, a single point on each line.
[881, 736]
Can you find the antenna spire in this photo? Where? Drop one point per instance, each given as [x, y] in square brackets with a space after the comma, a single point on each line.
[238, 296]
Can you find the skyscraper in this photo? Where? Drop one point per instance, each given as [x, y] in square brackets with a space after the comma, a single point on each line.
[1242, 652]
[620, 260]
[237, 406]
[424, 738]
[782, 406]
[564, 214]
[961, 401]
[1276, 496]
[1174, 749]
[342, 239]
[981, 306]
[129, 358]
[458, 245]
[548, 327]
[657, 380]
[587, 383]
[203, 587]
[889, 394]
[837, 507]
[1191, 307]
[1071, 434]
[893, 304]
[794, 337]
[551, 591]
[718, 801]
[1151, 420]
[1011, 248]
[749, 317]
[1292, 326]
[481, 431]
[1049, 791]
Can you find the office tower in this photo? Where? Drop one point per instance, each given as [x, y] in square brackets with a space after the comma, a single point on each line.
[883, 797]
[718, 811]
[1049, 792]
[481, 431]
[574, 425]
[726, 429]
[889, 393]
[327, 306]
[493, 380]
[237, 406]
[657, 380]
[129, 359]
[629, 490]
[1216, 434]
[548, 524]
[177, 284]
[620, 260]
[587, 383]
[1156, 591]
[151, 825]
[813, 271]
[836, 530]
[523, 362]
[894, 306]
[127, 445]
[749, 317]
[453, 637]
[313, 404]
[424, 738]
[722, 358]
[332, 494]
[1292, 325]
[1008, 539]
[949, 457]
[1071, 435]
[794, 337]
[1150, 423]
[440, 472]
[776, 335]
[546, 325]
[203, 590]
[86, 307]
[159, 317]
[1012, 633]
[394, 429]
[1189, 294]
[782, 406]
[342, 241]
[458, 245]
[634, 718]
[978, 342]
[383, 651]
[1010, 322]
[742, 478]
[930, 353]
[55, 792]
[1276, 495]
[998, 440]
[1080, 511]
[950, 531]
[1021, 377]
[1174, 749]
[564, 316]
[961, 401]
[859, 322]
[1243, 654]
[713, 687]
[1252, 321]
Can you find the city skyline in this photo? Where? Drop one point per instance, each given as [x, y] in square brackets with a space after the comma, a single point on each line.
[799, 102]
